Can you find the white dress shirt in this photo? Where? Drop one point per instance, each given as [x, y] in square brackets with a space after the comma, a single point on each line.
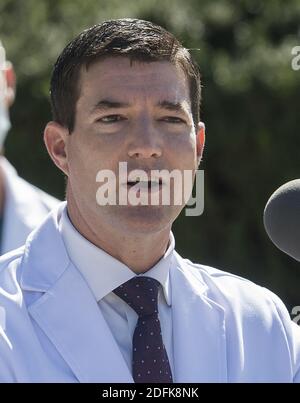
[104, 273]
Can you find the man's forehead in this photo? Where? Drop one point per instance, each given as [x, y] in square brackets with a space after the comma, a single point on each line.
[117, 78]
[121, 67]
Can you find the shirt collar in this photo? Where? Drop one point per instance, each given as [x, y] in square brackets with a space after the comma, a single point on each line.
[104, 273]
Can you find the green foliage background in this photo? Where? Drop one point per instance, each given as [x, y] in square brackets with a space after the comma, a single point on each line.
[251, 100]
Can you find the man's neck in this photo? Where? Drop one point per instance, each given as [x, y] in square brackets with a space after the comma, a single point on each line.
[140, 252]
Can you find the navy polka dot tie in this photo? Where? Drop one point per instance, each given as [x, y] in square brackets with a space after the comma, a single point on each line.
[150, 362]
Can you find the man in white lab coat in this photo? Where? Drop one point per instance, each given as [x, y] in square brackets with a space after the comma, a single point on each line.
[22, 205]
[127, 91]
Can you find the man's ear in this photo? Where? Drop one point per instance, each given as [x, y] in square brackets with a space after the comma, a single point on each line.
[200, 140]
[10, 78]
[56, 138]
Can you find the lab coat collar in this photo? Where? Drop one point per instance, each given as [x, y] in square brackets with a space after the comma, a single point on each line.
[45, 257]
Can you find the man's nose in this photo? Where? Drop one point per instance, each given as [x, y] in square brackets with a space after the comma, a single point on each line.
[146, 143]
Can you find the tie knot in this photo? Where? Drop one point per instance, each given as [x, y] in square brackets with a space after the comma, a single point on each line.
[140, 293]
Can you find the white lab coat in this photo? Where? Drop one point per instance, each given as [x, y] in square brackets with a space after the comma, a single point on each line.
[25, 207]
[225, 329]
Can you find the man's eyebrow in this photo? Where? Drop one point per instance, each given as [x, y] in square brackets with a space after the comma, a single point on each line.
[172, 106]
[105, 104]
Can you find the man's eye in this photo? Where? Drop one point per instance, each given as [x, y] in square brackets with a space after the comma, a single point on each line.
[110, 119]
[173, 119]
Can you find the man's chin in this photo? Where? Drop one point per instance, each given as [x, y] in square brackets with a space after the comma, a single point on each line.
[143, 219]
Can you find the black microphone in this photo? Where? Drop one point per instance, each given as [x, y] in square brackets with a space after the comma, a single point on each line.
[282, 218]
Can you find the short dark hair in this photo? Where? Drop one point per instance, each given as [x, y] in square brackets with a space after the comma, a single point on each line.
[136, 39]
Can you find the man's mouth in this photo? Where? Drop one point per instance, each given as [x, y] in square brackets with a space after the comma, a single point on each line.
[146, 184]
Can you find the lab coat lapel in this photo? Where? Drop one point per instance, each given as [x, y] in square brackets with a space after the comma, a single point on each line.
[71, 318]
[67, 311]
[199, 351]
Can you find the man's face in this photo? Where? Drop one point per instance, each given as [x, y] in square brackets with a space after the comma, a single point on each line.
[124, 114]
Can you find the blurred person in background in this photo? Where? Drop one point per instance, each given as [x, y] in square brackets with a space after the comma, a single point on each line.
[22, 205]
